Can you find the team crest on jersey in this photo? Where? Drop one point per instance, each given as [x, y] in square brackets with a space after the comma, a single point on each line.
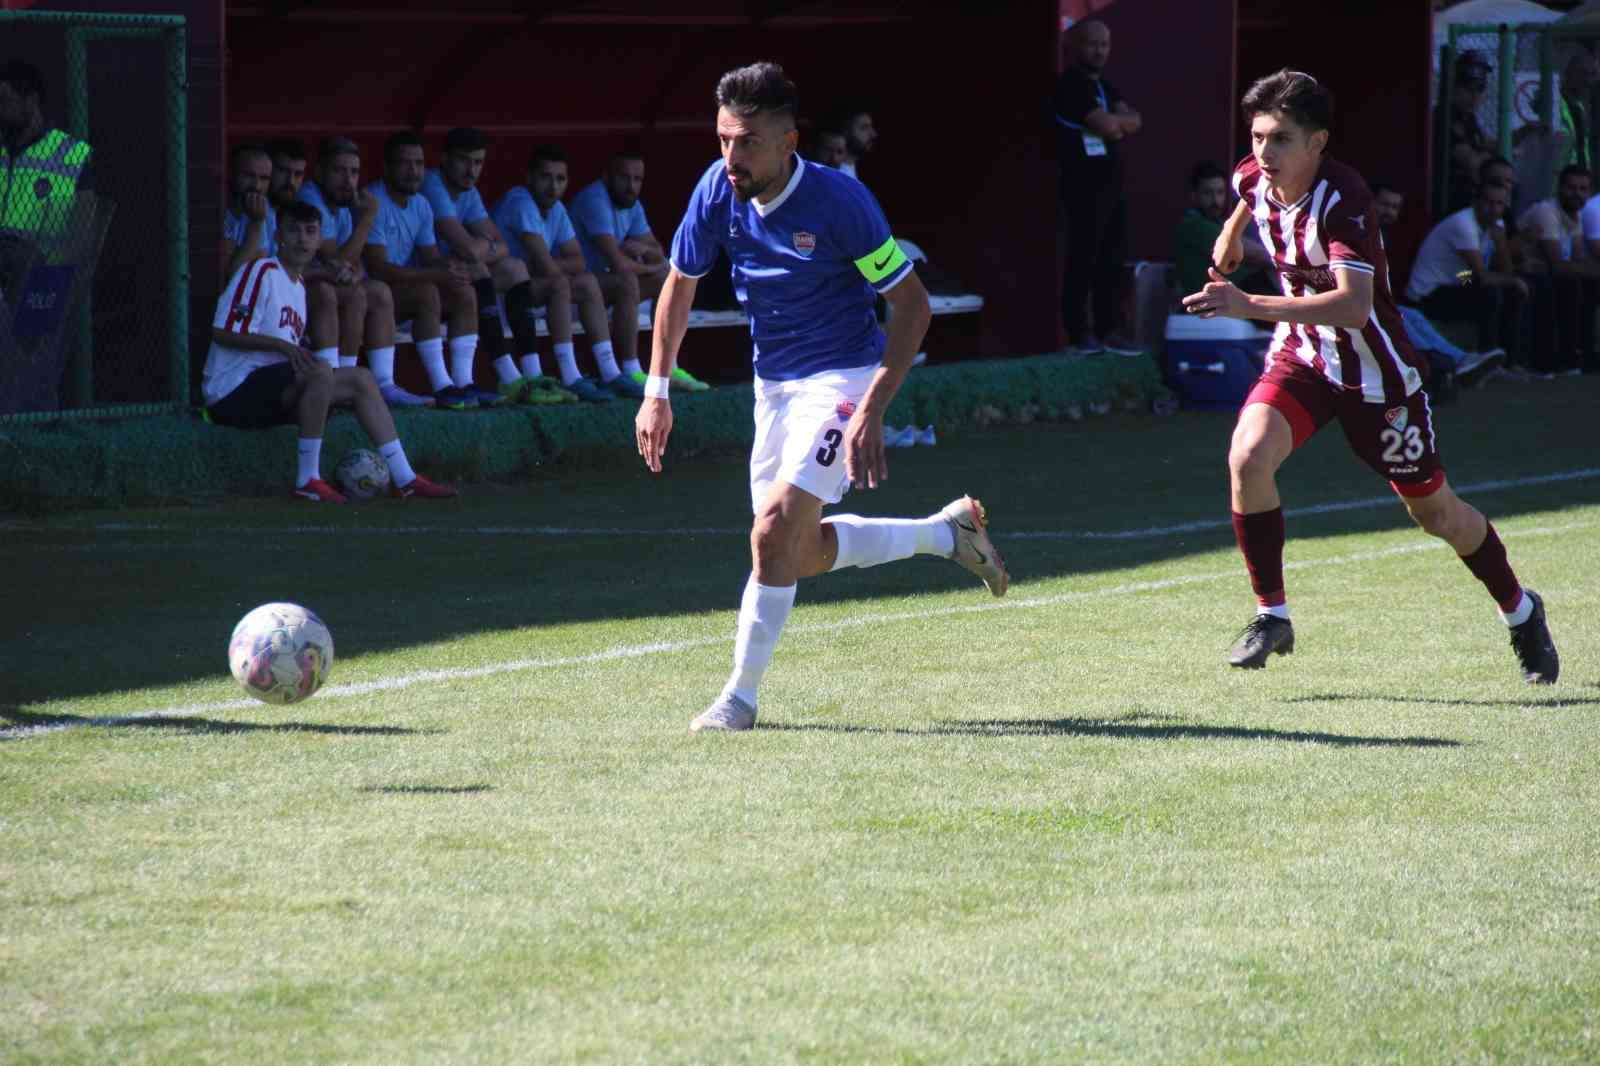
[845, 409]
[1397, 417]
[805, 243]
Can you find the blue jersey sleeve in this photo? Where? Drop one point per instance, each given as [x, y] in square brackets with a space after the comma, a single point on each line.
[233, 226]
[694, 246]
[592, 210]
[437, 195]
[472, 209]
[379, 233]
[311, 195]
[638, 225]
[867, 240]
[558, 226]
[425, 238]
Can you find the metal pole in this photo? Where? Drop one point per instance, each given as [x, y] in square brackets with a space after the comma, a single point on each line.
[178, 210]
[1508, 85]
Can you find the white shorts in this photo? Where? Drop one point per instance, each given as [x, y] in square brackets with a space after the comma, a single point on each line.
[800, 433]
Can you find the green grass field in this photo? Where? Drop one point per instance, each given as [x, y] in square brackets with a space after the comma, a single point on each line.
[1054, 828]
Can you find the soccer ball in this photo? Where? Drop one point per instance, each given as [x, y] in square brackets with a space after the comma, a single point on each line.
[280, 653]
[363, 474]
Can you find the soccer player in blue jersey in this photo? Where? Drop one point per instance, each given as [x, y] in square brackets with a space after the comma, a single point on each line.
[810, 250]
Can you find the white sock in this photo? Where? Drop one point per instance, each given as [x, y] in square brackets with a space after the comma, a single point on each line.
[567, 360]
[1277, 610]
[870, 541]
[328, 355]
[506, 367]
[400, 472]
[1523, 612]
[462, 349]
[348, 361]
[381, 362]
[605, 360]
[431, 352]
[631, 366]
[308, 456]
[531, 367]
[762, 613]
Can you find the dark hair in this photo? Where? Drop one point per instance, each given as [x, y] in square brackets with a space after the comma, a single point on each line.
[546, 153]
[465, 139]
[760, 88]
[24, 78]
[241, 152]
[299, 211]
[1492, 162]
[337, 146]
[1293, 93]
[1571, 169]
[288, 147]
[623, 154]
[396, 141]
[1472, 69]
[844, 112]
[1204, 171]
[1380, 187]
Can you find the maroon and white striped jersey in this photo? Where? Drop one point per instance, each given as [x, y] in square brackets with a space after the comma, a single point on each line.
[1333, 227]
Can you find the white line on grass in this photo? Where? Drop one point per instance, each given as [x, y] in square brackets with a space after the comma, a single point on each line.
[1200, 525]
[638, 651]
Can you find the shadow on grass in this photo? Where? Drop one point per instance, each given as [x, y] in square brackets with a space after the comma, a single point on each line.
[27, 719]
[1164, 727]
[1551, 700]
[427, 790]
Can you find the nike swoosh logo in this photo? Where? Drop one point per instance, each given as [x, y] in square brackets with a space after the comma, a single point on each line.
[883, 262]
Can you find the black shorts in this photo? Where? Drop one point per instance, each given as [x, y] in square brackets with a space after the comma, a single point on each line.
[257, 401]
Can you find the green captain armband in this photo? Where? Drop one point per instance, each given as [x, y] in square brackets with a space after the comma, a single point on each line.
[881, 262]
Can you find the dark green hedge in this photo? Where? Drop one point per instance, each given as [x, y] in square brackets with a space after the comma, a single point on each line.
[106, 463]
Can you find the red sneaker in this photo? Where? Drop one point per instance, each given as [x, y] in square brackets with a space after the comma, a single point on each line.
[318, 491]
[422, 488]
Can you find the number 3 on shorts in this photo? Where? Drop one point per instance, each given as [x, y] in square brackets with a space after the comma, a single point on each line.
[1393, 440]
[830, 447]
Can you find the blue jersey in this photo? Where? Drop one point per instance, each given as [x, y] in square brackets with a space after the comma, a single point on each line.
[401, 230]
[594, 213]
[466, 206]
[806, 267]
[335, 224]
[234, 224]
[517, 213]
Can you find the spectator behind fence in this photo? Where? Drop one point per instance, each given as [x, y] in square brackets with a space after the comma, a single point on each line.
[1210, 202]
[465, 231]
[1470, 147]
[623, 254]
[828, 148]
[541, 232]
[348, 215]
[1445, 357]
[42, 171]
[1464, 273]
[853, 120]
[1091, 119]
[257, 374]
[249, 225]
[402, 252]
[1553, 235]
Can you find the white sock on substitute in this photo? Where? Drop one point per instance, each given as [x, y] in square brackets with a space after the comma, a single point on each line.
[871, 541]
[431, 352]
[531, 368]
[606, 361]
[308, 457]
[381, 362]
[631, 366]
[328, 355]
[506, 367]
[400, 472]
[462, 349]
[567, 360]
[348, 361]
[1276, 610]
[762, 613]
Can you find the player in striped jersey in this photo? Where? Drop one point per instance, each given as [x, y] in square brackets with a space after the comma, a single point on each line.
[257, 374]
[1339, 352]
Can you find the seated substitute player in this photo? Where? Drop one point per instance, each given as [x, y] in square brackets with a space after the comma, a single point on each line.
[258, 375]
[249, 225]
[624, 256]
[810, 250]
[402, 253]
[348, 215]
[1339, 352]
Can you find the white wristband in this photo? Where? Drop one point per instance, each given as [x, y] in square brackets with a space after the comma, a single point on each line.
[655, 388]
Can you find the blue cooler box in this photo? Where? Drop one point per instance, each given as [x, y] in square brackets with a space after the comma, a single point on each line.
[1211, 363]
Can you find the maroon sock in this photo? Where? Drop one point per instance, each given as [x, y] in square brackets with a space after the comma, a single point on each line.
[1488, 564]
[1260, 538]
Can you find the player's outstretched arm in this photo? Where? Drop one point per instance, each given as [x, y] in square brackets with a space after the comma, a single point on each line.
[1348, 306]
[865, 460]
[653, 424]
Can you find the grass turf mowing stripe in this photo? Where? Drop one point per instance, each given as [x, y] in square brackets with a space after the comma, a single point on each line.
[636, 651]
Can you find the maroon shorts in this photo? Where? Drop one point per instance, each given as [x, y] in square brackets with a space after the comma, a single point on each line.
[1397, 442]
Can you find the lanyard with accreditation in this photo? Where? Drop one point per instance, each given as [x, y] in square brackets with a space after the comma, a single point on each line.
[1093, 144]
